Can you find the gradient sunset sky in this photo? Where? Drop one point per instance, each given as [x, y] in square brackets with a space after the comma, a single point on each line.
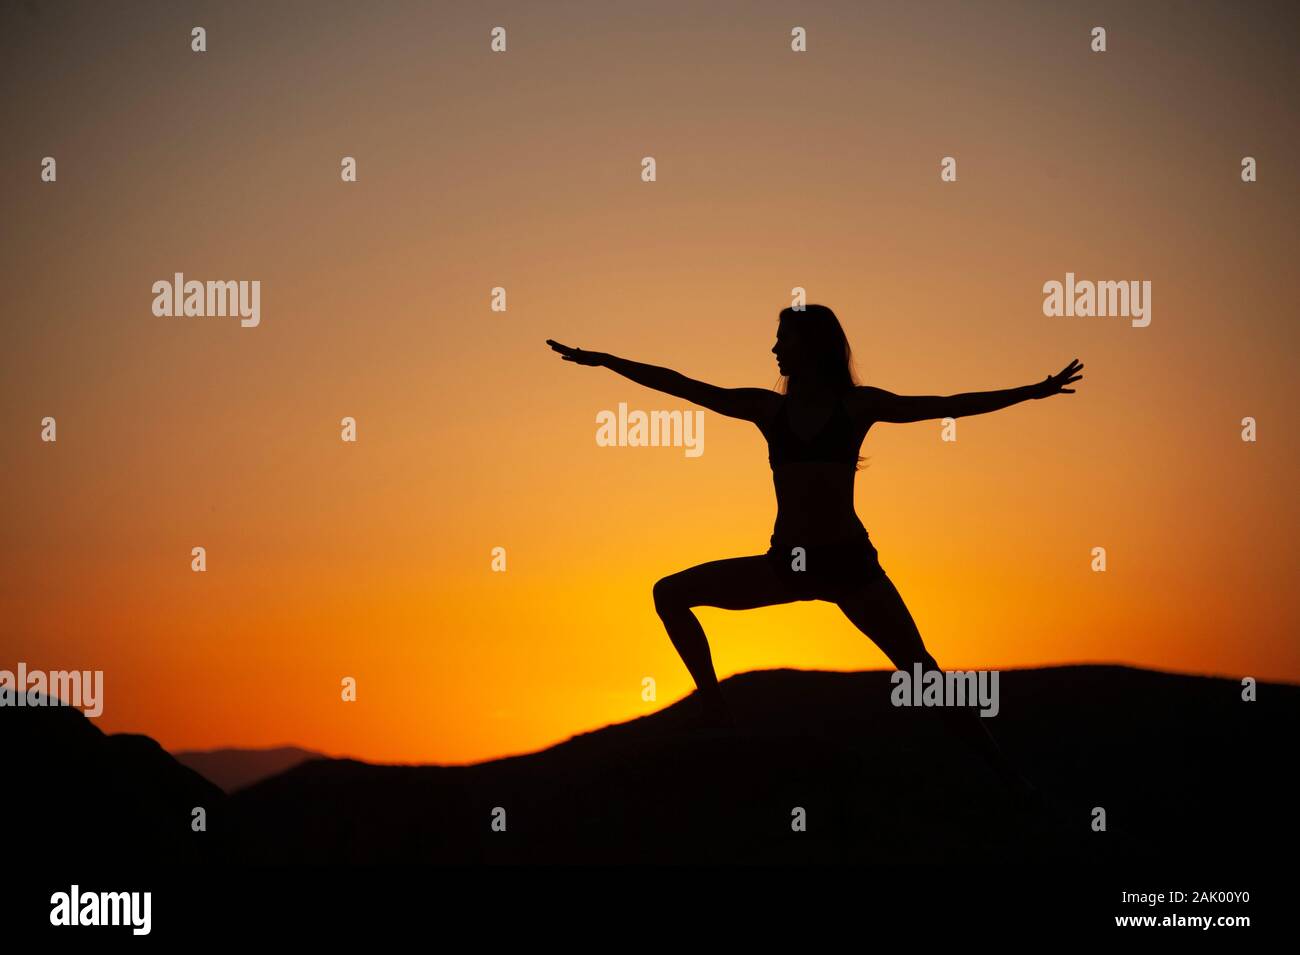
[522, 170]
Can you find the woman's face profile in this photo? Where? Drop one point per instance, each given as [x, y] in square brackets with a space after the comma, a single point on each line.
[789, 351]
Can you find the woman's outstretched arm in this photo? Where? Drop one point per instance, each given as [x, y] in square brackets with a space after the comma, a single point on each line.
[751, 404]
[880, 405]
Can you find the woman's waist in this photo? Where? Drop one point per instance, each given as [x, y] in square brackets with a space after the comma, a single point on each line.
[818, 534]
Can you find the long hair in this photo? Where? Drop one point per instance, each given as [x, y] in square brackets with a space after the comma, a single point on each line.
[822, 334]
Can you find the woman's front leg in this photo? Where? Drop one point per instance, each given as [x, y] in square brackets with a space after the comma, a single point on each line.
[737, 583]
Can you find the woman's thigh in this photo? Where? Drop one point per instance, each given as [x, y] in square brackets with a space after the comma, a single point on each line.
[734, 583]
[878, 610]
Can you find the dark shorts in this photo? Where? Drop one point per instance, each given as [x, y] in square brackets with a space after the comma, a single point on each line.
[830, 571]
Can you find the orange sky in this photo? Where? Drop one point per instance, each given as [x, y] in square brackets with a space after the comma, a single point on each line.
[522, 170]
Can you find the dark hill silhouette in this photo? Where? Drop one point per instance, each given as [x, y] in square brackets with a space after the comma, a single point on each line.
[78, 795]
[233, 769]
[1186, 771]
[1183, 767]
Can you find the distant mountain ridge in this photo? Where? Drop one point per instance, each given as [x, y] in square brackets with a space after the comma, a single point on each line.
[234, 768]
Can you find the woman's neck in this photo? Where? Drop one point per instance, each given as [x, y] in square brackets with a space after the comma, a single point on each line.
[813, 388]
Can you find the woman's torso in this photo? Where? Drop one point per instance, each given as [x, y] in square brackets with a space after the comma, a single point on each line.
[813, 446]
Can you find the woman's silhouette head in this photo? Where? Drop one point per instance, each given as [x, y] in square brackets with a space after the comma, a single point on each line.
[812, 351]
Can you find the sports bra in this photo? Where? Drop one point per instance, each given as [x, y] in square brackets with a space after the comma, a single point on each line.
[838, 441]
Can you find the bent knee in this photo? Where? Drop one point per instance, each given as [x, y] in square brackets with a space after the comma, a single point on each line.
[669, 593]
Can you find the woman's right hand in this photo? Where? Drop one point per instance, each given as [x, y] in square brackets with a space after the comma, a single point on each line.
[578, 355]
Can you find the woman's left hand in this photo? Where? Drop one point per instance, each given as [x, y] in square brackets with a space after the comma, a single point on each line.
[1055, 384]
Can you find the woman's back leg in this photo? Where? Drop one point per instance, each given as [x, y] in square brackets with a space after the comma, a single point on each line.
[877, 609]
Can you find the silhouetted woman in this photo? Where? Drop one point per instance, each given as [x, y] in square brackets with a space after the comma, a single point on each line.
[814, 428]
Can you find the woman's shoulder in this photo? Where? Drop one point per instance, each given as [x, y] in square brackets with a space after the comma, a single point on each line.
[770, 404]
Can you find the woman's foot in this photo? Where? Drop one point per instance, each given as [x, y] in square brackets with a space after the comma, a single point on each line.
[714, 714]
